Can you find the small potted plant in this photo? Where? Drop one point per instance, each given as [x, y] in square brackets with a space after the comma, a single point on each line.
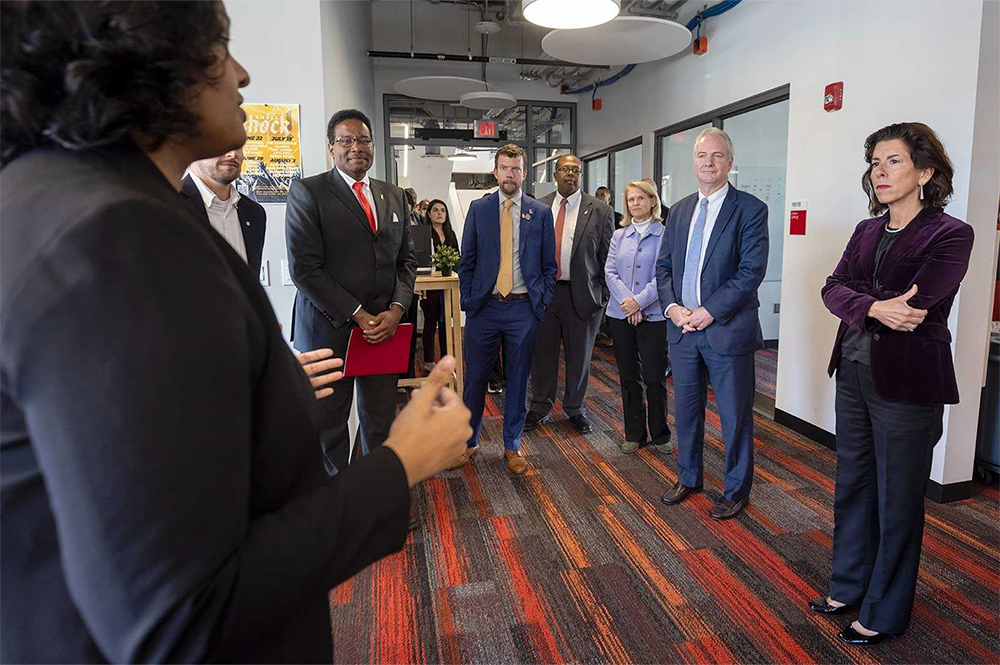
[445, 259]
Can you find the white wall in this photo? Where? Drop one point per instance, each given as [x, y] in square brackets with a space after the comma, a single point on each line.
[899, 61]
[324, 67]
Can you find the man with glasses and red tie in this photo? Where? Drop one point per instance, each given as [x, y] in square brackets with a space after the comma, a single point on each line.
[351, 258]
[583, 228]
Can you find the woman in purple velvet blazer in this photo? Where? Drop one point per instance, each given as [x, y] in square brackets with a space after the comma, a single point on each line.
[892, 291]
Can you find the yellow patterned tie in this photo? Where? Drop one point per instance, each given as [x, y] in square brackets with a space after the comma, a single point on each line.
[505, 278]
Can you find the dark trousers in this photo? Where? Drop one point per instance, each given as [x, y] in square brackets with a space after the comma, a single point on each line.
[411, 317]
[563, 327]
[884, 453]
[694, 363]
[641, 356]
[512, 324]
[433, 306]
[376, 411]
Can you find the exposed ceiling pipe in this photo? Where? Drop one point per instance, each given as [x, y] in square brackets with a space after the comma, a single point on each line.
[449, 57]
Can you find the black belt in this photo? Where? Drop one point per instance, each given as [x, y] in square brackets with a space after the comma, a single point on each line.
[509, 297]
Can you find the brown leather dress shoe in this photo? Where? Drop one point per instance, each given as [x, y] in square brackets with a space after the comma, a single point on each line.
[678, 493]
[515, 462]
[469, 454]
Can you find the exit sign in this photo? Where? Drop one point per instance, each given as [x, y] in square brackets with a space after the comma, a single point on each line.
[486, 129]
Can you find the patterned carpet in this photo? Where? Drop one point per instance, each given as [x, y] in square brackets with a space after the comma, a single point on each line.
[577, 561]
[766, 371]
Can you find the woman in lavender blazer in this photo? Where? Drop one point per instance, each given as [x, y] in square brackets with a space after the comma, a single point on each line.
[892, 291]
[635, 317]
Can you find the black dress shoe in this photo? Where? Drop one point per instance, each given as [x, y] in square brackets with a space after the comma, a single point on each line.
[725, 509]
[581, 423]
[823, 607]
[533, 420]
[678, 493]
[852, 636]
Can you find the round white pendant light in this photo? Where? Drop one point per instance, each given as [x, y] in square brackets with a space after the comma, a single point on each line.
[570, 14]
[439, 88]
[623, 41]
[488, 100]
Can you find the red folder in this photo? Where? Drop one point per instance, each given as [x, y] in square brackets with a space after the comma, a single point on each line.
[388, 357]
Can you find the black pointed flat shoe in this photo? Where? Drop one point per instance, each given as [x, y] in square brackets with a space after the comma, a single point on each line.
[823, 607]
[851, 636]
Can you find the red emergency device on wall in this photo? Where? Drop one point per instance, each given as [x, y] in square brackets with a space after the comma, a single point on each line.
[833, 97]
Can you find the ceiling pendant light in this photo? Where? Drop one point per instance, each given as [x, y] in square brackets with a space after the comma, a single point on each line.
[462, 156]
[570, 14]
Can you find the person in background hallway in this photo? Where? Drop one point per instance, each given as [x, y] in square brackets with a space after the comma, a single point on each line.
[664, 210]
[712, 260]
[422, 207]
[162, 495]
[241, 221]
[583, 230]
[892, 291]
[636, 318]
[433, 303]
[664, 216]
[416, 219]
[604, 194]
[351, 259]
[506, 278]
[416, 216]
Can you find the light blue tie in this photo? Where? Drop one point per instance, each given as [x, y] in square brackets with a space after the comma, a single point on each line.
[690, 287]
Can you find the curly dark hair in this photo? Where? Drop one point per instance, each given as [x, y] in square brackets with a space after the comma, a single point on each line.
[83, 75]
[926, 151]
[341, 116]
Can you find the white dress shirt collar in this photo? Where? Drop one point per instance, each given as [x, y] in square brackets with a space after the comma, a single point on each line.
[516, 198]
[208, 197]
[572, 200]
[350, 181]
[715, 197]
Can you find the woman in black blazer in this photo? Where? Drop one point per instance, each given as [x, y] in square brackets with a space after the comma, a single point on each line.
[433, 304]
[163, 491]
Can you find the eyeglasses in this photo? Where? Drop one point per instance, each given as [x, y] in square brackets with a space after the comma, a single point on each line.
[570, 170]
[348, 141]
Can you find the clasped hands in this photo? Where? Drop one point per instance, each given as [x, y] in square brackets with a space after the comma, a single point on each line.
[379, 327]
[689, 321]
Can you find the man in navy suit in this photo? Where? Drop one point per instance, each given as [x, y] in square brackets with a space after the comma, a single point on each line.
[209, 188]
[506, 278]
[711, 262]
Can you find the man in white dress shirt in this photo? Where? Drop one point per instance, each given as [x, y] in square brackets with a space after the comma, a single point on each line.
[240, 220]
[711, 262]
[583, 228]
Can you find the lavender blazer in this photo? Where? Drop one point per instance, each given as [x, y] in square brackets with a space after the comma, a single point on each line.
[631, 271]
[931, 252]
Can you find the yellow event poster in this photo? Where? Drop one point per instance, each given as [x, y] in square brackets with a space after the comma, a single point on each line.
[273, 158]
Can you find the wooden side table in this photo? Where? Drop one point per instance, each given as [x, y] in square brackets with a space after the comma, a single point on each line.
[452, 322]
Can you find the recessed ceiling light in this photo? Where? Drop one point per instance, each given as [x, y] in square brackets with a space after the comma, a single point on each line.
[570, 14]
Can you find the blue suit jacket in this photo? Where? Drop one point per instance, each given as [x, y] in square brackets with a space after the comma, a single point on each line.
[480, 264]
[734, 266]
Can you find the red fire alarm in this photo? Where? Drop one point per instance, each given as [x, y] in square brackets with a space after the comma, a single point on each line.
[700, 45]
[597, 104]
[833, 97]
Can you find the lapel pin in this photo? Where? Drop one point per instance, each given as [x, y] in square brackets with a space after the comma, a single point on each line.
[248, 223]
[381, 198]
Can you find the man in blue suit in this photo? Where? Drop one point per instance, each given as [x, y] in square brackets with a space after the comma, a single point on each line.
[506, 279]
[711, 262]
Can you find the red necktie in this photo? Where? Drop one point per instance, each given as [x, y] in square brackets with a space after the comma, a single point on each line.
[560, 222]
[363, 200]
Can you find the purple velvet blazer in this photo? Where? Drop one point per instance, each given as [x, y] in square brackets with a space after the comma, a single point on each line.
[931, 252]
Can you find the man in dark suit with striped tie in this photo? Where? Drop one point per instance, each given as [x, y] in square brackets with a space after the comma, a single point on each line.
[711, 262]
